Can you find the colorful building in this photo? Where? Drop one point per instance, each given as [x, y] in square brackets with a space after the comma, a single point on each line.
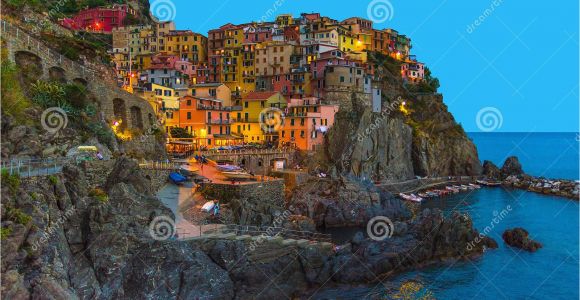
[208, 120]
[413, 71]
[187, 45]
[218, 91]
[247, 121]
[99, 19]
[307, 121]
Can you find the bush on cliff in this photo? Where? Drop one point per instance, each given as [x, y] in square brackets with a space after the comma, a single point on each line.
[13, 100]
[12, 182]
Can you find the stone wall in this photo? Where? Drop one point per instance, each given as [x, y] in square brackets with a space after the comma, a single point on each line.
[98, 78]
[97, 171]
[252, 204]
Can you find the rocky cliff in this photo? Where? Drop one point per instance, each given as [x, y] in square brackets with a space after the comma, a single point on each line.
[414, 134]
[64, 238]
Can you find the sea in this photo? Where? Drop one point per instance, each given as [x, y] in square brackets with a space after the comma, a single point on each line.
[552, 272]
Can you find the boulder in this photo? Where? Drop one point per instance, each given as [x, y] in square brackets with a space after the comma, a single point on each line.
[511, 166]
[518, 237]
[491, 171]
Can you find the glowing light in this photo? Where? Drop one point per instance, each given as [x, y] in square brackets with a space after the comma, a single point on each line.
[116, 123]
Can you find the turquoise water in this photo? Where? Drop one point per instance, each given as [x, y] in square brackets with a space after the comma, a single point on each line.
[508, 273]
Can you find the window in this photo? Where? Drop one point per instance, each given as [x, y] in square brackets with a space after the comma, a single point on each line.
[283, 133]
[193, 92]
[341, 78]
[291, 122]
[292, 133]
[188, 102]
[246, 106]
[263, 104]
[189, 115]
[208, 129]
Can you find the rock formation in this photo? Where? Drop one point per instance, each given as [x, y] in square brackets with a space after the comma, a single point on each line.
[519, 238]
[511, 166]
[490, 170]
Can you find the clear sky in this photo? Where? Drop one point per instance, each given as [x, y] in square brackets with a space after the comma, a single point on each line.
[518, 64]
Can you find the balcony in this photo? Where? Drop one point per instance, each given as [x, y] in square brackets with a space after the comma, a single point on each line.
[220, 122]
[218, 107]
[303, 115]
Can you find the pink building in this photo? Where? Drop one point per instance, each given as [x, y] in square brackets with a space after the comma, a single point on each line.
[101, 19]
[412, 70]
[307, 122]
[172, 62]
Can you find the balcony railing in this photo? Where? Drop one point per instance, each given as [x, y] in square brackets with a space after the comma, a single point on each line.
[220, 122]
[217, 107]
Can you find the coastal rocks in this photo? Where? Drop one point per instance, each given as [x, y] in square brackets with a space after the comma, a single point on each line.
[343, 202]
[511, 166]
[518, 237]
[490, 170]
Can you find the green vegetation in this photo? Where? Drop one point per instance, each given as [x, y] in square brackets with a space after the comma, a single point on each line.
[101, 131]
[180, 133]
[13, 100]
[5, 232]
[429, 85]
[99, 194]
[16, 215]
[53, 179]
[70, 97]
[10, 181]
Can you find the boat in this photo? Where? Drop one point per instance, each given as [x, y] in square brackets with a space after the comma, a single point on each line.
[188, 170]
[452, 189]
[424, 195]
[228, 168]
[208, 206]
[477, 186]
[237, 175]
[410, 197]
[177, 178]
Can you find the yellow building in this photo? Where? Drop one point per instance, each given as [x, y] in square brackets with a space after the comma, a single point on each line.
[166, 101]
[247, 121]
[284, 20]
[233, 59]
[187, 45]
[217, 91]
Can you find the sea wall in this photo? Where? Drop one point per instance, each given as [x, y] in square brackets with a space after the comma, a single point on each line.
[253, 204]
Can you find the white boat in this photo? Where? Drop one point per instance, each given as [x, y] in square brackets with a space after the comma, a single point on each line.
[188, 170]
[237, 175]
[208, 206]
[452, 189]
[476, 186]
[411, 197]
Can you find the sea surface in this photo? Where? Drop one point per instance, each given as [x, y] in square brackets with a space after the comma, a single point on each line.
[508, 273]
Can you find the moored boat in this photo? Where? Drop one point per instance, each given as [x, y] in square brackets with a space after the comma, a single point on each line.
[237, 175]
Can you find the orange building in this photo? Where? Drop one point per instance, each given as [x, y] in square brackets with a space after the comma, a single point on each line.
[208, 120]
[307, 121]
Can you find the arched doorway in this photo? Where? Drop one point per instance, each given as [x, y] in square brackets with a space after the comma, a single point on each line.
[120, 112]
[57, 74]
[30, 67]
[136, 117]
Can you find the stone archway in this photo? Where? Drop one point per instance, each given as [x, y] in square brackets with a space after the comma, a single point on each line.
[57, 74]
[30, 67]
[136, 117]
[120, 112]
[81, 81]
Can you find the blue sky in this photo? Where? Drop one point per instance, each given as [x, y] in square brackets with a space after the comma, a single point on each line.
[521, 60]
